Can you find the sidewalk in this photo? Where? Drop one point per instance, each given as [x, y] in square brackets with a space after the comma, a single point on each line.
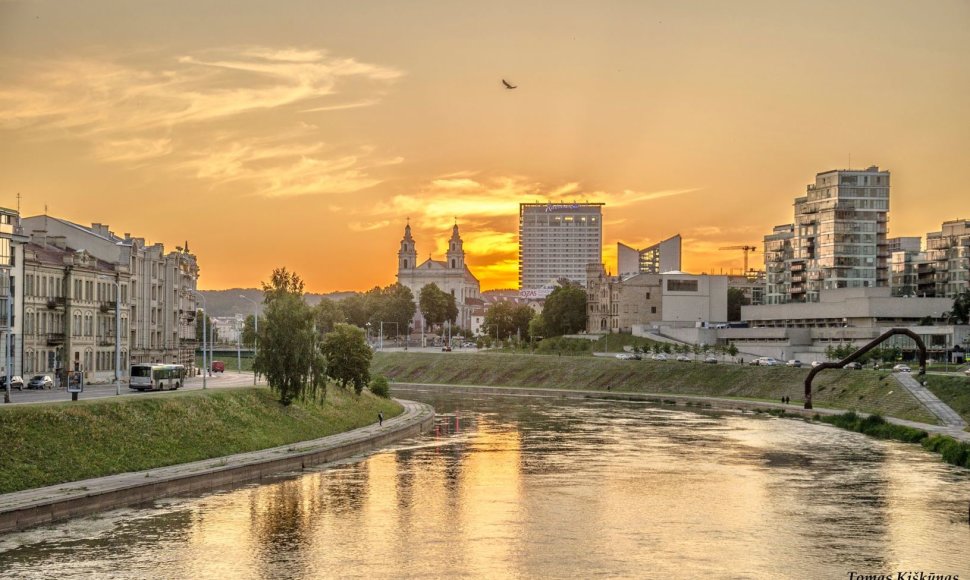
[943, 412]
[31, 507]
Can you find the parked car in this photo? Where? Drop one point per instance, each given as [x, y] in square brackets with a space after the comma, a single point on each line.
[794, 363]
[853, 365]
[15, 383]
[40, 382]
[815, 363]
[766, 361]
[901, 368]
[683, 358]
[711, 360]
[218, 366]
[660, 356]
[446, 349]
[966, 372]
[626, 356]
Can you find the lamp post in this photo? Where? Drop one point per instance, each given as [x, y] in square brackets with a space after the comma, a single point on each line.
[255, 331]
[205, 365]
[117, 282]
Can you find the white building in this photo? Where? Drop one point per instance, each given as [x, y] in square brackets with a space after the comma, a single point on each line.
[558, 241]
[451, 275]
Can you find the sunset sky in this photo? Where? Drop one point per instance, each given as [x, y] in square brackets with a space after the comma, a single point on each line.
[304, 133]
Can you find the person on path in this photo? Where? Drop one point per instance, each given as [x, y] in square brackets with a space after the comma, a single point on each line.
[380, 419]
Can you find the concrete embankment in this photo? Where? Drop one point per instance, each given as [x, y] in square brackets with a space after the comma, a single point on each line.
[28, 508]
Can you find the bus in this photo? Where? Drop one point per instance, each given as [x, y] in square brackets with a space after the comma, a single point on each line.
[156, 377]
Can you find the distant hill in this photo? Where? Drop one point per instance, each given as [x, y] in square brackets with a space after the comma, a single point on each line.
[229, 302]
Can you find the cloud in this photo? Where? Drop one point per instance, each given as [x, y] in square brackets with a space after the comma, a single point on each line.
[368, 227]
[132, 149]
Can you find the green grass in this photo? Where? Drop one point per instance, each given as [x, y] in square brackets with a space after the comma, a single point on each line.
[876, 426]
[867, 391]
[952, 390]
[60, 442]
[232, 364]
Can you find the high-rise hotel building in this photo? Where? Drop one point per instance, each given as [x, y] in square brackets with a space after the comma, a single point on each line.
[558, 240]
[838, 239]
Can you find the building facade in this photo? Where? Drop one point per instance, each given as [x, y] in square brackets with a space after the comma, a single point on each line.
[661, 257]
[159, 290]
[558, 241]
[947, 271]
[838, 238]
[12, 243]
[617, 304]
[451, 275]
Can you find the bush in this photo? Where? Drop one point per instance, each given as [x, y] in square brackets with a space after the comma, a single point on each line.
[953, 451]
[379, 387]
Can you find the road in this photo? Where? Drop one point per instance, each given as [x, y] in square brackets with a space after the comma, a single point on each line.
[219, 380]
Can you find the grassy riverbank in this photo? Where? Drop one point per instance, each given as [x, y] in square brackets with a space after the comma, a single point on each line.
[868, 391]
[952, 390]
[46, 444]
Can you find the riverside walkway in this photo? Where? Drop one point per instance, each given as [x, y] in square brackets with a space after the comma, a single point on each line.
[943, 412]
[23, 509]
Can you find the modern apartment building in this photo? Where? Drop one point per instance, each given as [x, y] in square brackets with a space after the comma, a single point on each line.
[558, 241]
[158, 287]
[948, 259]
[661, 257]
[838, 238]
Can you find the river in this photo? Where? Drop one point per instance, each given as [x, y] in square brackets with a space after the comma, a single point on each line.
[520, 487]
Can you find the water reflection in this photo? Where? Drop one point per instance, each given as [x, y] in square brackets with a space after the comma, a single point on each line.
[519, 487]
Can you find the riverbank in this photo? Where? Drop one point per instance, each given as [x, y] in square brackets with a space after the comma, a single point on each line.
[873, 392]
[31, 507]
[55, 443]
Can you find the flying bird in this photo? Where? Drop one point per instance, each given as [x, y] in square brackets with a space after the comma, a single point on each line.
[509, 85]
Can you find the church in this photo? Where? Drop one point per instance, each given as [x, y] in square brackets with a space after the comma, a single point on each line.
[451, 275]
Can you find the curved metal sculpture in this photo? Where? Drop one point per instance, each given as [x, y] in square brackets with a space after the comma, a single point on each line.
[862, 351]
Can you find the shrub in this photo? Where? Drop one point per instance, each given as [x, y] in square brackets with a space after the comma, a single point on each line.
[379, 387]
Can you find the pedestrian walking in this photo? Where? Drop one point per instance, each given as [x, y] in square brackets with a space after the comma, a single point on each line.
[380, 419]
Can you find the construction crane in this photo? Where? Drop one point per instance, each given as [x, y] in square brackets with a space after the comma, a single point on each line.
[744, 249]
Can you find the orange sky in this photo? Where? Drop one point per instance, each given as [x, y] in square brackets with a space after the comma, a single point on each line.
[304, 133]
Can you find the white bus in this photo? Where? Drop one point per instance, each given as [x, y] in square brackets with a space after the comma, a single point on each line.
[156, 377]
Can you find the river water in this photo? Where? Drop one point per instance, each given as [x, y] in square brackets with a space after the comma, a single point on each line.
[518, 487]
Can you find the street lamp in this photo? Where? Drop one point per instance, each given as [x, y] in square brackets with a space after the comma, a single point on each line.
[205, 365]
[255, 331]
[117, 283]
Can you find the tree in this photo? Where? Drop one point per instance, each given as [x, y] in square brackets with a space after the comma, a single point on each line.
[288, 355]
[326, 315]
[735, 300]
[348, 356]
[355, 310]
[732, 350]
[565, 310]
[961, 308]
[248, 337]
[436, 305]
[211, 333]
[505, 319]
[393, 304]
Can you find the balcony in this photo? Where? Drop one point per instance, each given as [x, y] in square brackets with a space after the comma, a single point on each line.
[108, 305]
[108, 340]
[55, 338]
[55, 302]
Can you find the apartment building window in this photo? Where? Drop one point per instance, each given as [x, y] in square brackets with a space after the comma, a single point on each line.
[653, 310]
[682, 285]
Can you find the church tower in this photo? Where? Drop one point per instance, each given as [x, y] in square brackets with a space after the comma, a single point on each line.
[407, 256]
[456, 254]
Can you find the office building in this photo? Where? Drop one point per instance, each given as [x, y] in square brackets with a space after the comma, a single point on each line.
[558, 241]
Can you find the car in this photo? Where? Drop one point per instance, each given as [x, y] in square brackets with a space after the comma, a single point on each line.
[218, 366]
[794, 363]
[15, 383]
[853, 366]
[626, 356]
[815, 363]
[683, 358]
[711, 360]
[660, 356]
[40, 382]
[766, 361]
[446, 349]
[901, 368]
[966, 372]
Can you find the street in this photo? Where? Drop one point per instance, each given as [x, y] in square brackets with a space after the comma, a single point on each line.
[219, 380]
